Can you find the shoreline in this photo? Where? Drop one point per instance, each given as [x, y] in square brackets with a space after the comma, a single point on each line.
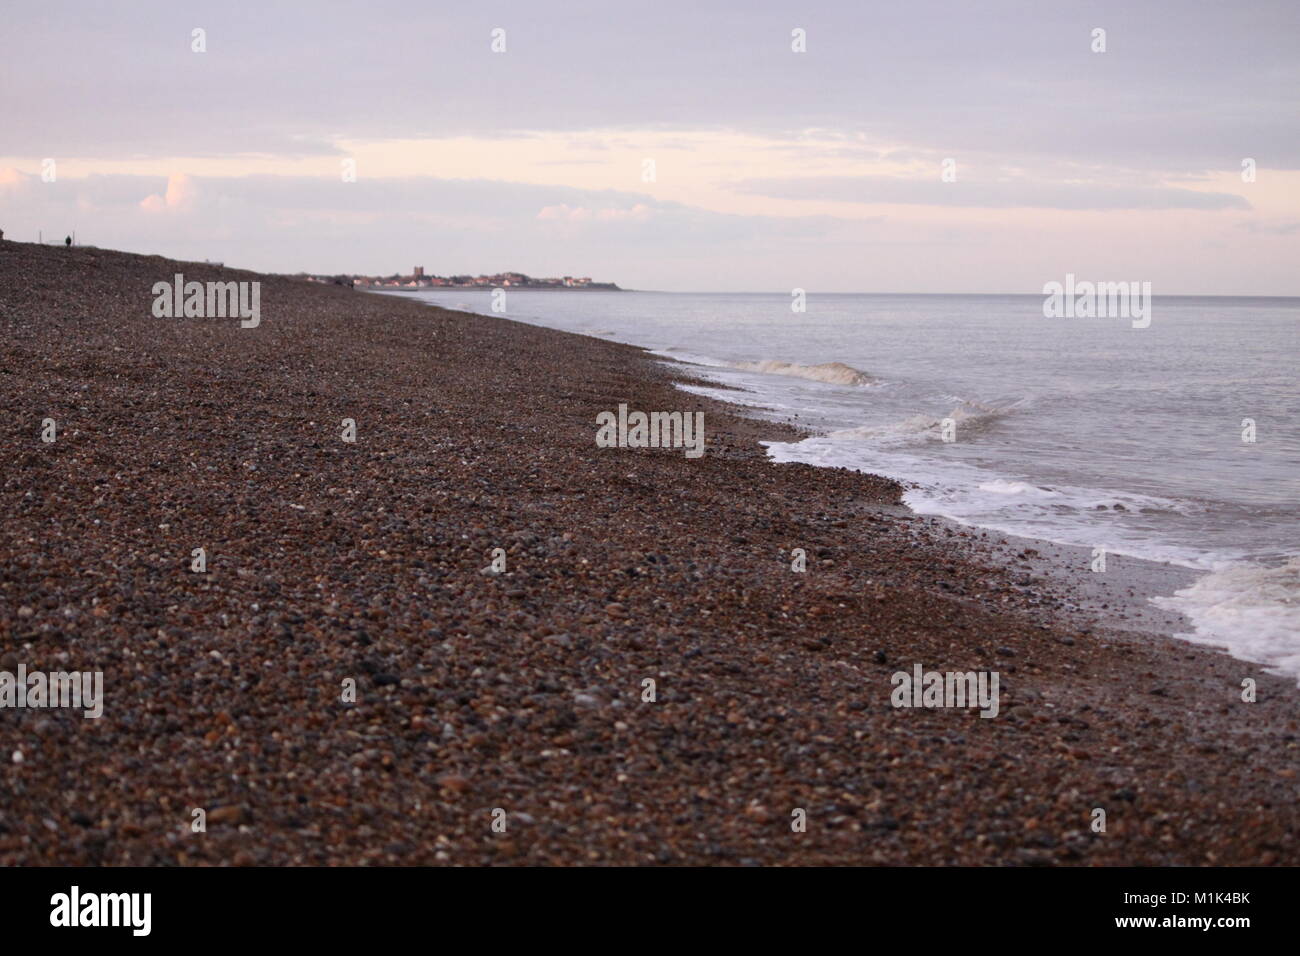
[1118, 603]
[1157, 580]
[1094, 593]
[523, 690]
[1067, 564]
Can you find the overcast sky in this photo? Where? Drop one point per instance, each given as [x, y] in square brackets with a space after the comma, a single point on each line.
[771, 168]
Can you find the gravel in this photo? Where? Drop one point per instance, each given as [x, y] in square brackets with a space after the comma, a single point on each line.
[526, 691]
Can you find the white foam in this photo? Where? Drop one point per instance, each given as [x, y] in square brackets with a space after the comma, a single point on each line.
[679, 354]
[732, 395]
[1251, 611]
[1008, 504]
[1001, 486]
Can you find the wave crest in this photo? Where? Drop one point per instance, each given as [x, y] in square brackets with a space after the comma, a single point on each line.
[832, 373]
[968, 416]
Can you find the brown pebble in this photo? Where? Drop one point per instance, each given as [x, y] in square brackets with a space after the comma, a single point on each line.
[232, 813]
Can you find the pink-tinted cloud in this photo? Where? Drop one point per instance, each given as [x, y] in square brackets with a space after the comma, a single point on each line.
[180, 195]
[577, 214]
[15, 179]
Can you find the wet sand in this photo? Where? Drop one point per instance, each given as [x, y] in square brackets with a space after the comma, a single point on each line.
[523, 691]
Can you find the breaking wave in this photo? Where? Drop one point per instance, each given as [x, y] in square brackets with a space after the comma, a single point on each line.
[832, 373]
[967, 417]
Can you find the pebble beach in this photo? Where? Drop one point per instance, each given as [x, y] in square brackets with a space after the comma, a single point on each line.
[524, 690]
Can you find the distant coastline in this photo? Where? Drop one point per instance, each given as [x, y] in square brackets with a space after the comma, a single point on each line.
[417, 280]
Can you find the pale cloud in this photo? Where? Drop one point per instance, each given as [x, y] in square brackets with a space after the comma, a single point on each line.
[813, 169]
[180, 196]
[1273, 228]
[1184, 86]
[14, 180]
[1009, 194]
[455, 226]
[580, 214]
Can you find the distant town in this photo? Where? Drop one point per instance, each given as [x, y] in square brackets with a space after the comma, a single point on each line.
[418, 280]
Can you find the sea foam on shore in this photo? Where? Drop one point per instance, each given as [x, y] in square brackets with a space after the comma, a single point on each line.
[1252, 611]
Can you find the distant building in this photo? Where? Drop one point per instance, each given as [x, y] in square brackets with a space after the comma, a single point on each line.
[419, 272]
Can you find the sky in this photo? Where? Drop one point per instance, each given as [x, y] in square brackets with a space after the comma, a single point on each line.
[907, 147]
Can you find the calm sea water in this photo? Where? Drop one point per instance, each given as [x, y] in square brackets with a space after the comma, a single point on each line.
[1083, 431]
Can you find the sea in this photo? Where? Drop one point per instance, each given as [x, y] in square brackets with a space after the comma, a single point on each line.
[1177, 442]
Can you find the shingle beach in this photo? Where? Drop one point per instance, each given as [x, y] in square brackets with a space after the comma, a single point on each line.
[525, 691]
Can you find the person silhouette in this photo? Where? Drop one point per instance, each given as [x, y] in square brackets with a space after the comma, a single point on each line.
[68, 242]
